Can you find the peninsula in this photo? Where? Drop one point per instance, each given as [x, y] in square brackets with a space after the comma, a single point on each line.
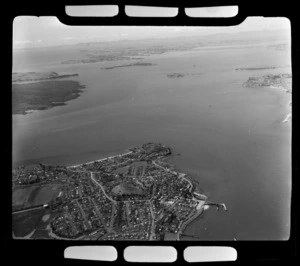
[18, 77]
[39, 91]
[283, 81]
[273, 81]
[132, 196]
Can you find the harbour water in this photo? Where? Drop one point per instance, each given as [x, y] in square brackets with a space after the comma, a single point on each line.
[228, 137]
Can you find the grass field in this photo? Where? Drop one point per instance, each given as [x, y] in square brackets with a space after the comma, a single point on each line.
[125, 188]
[34, 195]
[20, 197]
[25, 222]
[40, 234]
[122, 170]
[46, 194]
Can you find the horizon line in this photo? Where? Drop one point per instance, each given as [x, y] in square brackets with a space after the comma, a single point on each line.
[143, 39]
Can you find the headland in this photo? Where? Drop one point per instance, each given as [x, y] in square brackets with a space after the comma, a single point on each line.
[131, 196]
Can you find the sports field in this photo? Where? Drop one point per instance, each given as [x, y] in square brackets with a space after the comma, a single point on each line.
[24, 223]
[34, 195]
[126, 188]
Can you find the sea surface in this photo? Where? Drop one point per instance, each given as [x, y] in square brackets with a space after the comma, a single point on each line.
[228, 137]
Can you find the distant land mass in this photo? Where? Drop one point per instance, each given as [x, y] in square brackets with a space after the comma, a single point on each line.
[108, 51]
[271, 80]
[117, 53]
[43, 94]
[130, 65]
[175, 75]
[254, 68]
[93, 58]
[280, 81]
[278, 47]
[36, 76]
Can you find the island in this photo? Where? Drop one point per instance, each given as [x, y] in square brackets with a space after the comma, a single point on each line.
[175, 75]
[39, 91]
[136, 195]
[283, 81]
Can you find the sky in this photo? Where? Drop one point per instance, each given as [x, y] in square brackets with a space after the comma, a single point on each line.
[30, 31]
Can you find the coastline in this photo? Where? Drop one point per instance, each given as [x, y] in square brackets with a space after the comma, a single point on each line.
[197, 200]
[69, 160]
[189, 221]
[194, 187]
[199, 209]
[99, 160]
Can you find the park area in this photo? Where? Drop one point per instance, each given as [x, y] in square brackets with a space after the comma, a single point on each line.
[23, 223]
[24, 220]
[126, 188]
[34, 195]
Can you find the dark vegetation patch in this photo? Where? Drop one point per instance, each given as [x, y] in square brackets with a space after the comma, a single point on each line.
[126, 188]
[35, 195]
[43, 95]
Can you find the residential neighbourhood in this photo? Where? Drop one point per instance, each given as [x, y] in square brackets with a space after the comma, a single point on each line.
[132, 196]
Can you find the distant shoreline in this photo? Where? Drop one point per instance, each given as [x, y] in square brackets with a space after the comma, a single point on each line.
[71, 159]
[99, 160]
[129, 65]
[22, 77]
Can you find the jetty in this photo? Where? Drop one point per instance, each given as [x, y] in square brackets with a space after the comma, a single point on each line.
[200, 196]
[222, 205]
